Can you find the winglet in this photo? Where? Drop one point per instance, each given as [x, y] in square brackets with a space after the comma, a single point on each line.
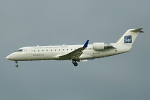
[86, 44]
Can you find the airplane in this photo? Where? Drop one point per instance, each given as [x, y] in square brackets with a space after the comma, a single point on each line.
[76, 53]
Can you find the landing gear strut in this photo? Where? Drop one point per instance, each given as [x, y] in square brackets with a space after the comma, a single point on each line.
[74, 62]
[16, 63]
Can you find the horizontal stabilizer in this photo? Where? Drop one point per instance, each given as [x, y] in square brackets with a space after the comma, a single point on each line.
[138, 30]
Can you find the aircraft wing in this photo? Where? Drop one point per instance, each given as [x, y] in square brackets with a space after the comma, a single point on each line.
[74, 54]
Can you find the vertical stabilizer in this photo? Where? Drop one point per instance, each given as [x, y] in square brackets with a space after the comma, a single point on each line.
[129, 36]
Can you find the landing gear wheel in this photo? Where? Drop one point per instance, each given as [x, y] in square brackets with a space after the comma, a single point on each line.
[74, 63]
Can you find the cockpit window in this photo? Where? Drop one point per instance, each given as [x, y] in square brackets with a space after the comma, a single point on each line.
[19, 50]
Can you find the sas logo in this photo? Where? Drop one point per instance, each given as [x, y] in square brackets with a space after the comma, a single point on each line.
[128, 39]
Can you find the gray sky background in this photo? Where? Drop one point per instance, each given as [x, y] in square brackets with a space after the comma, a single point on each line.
[52, 22]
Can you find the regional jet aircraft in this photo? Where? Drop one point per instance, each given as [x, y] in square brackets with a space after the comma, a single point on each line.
[76, 53]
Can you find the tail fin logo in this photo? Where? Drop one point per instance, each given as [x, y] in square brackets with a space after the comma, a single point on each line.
[128, 39]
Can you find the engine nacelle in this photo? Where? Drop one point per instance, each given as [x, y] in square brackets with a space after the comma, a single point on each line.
[98, 46]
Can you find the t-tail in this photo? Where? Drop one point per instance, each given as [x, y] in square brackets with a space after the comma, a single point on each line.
[129, 36]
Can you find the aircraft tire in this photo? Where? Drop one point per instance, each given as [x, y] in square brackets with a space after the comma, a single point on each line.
[75, 64]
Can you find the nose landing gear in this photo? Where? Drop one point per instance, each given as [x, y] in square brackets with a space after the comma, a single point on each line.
[16, 63]
[74, 62]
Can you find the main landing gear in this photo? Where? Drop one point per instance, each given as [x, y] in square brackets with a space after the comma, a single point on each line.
[74, 62]
[16, 63]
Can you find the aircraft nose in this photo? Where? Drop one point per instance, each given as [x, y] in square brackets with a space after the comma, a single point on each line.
[10, 57]
[7, 58]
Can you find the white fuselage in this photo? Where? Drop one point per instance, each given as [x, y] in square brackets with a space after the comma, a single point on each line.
[53, 52]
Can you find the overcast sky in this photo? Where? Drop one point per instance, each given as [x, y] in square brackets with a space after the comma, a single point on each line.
[52, 22]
